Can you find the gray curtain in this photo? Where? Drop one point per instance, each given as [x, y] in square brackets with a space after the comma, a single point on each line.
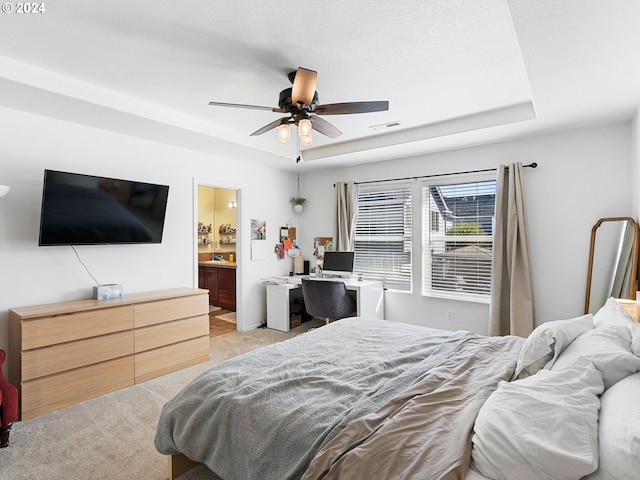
[347, 209]
[511, 311]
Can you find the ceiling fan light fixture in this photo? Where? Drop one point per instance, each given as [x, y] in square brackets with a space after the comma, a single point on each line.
[284, 133]
[304, 128]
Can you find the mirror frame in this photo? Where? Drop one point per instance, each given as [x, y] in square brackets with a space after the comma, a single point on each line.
[633, 284]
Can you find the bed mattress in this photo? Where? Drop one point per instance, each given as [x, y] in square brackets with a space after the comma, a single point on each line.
[334, 398]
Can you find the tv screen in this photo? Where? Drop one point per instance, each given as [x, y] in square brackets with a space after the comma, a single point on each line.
[337, 263]
[87, 210]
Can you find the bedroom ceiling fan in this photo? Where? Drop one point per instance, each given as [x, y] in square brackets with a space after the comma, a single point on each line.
[301, 104]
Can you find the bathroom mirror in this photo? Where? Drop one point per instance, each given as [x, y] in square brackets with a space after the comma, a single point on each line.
[613, 261]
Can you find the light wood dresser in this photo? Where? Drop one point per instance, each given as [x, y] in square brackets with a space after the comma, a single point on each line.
[64, 353]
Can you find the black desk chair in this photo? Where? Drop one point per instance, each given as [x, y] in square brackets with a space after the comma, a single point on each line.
[327, 299]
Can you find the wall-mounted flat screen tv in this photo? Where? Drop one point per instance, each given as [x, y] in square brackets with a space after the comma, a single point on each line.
[88, 210]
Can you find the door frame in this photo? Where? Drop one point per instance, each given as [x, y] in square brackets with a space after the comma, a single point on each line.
[239, 236]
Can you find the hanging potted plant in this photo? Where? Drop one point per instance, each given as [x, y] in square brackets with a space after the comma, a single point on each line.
[298, 203]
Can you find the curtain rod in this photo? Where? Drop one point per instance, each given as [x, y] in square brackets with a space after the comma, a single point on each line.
[531, 165]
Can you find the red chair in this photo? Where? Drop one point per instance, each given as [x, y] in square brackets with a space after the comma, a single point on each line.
[8, 405]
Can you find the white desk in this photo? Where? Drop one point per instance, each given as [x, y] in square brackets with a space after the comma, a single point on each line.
[369, 299]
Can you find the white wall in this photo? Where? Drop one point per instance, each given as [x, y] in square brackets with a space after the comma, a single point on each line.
[32, 275]
[582, 175]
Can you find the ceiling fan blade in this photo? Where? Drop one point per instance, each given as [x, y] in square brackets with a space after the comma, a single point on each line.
[253, 107]
[268, 126]
[351, 107]
[324, 127]
[304, 87]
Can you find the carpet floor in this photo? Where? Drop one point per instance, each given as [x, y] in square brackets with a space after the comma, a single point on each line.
[112, 436]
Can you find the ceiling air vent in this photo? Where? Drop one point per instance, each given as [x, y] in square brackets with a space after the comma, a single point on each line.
[384, 126]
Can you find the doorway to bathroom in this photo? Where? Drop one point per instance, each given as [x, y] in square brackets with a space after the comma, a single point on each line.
[217, 259]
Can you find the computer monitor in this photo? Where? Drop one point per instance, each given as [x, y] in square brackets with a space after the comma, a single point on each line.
[338, 263]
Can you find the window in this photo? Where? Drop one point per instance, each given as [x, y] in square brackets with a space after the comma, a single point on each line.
[457, 224]
[383, 233]
[457, 238]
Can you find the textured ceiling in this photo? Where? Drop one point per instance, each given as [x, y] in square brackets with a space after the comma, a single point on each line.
[455, 72]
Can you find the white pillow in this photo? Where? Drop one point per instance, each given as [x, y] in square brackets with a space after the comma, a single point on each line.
[614, 314]
[607, 349]
[619, 431]
[609, 311]
[544, 426]
[547, 341]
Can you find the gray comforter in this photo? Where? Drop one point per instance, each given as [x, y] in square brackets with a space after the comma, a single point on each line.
[332, 391]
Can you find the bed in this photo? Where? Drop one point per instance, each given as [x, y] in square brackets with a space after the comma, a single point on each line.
[367, 398]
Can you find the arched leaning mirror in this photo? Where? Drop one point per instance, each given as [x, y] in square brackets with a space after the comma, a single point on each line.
[613, 261]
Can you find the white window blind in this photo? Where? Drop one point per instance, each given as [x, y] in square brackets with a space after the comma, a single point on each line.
[383, 233]
[457, 238]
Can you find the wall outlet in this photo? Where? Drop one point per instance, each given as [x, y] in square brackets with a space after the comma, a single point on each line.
[450, 315]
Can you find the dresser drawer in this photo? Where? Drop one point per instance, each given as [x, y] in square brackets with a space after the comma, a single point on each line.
[161, 361]
[47, 331]
[67, 356]
[167, 333]
[173, 309]
[49, 393]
